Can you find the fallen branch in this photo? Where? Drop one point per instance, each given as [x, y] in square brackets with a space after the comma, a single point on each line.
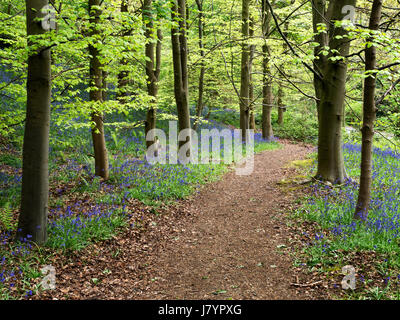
[306, 284]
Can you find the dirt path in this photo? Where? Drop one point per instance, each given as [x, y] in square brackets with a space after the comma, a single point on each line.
[228, 241]
[231, 246]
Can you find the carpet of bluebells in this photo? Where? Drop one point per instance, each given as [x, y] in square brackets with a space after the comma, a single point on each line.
[73, 224]
[333, 207]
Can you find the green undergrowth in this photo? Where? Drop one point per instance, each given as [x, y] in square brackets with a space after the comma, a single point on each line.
[333, 239]
[83, 209]
[76, 232]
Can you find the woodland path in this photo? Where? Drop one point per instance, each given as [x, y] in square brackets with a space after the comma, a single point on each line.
[222, 243]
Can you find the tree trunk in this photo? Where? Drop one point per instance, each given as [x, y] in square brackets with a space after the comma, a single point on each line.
[153, 64]
[330, 89]
[281, 108]
[267, 101]
[330, 156]
[319, 16]
[123, 74]
[208, 115]
[199, 106]
[96, 96]
[245, 72]
[252, 120]
[104, 96]
[179, 53]
[280, 105]
[32, 223]
[369, 115]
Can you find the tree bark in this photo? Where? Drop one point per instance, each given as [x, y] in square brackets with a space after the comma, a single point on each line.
[281, 108]
[32, 223]
[245, 72]
[104, 76]
[267, 132]
[319, 16]
[179, 54]
[252, 120]
[330, 89]
[123, 74]
[280, 105]
[199, 106]
[369, 115]
[153, 65]
[96, 96]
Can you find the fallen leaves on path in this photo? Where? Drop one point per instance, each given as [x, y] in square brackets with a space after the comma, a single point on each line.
[229, 240]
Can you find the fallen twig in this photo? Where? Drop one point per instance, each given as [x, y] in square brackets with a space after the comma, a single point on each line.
[306, 284]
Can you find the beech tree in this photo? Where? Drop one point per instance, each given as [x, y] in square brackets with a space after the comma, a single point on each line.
[245, 72]
[123, 74]
[179, 53]
[153, 66]
[281, 107]
[369, 115]
[96, 93]
[330, 71]
[32, 223]
[267, 99]
[200, 102]
[252, 48]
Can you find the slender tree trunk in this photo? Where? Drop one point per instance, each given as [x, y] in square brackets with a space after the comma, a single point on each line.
[199, 107]
[252, 120]
[330, 89]
[319, 16]
[179, 53]
[184, 49]
[209, 112]
[245, 72]
[369, 115]
[104, 96]
[267, 101]
[153, 53]
[280, 105]
[123, 74]
[32, 222]
[96, 96]
[281, 108]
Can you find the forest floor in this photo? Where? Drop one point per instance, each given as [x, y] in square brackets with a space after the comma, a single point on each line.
[230, 240]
